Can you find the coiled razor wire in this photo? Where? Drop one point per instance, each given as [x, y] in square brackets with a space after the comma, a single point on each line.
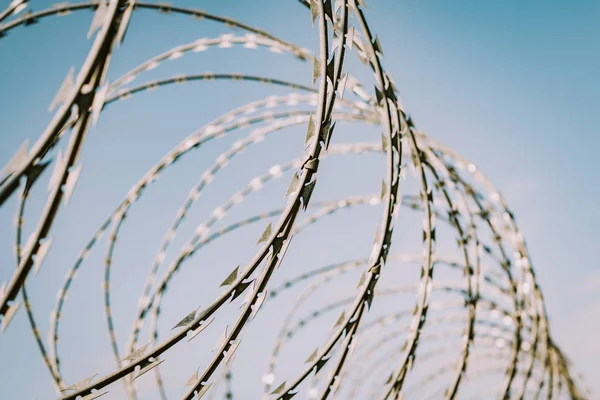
[493, 308]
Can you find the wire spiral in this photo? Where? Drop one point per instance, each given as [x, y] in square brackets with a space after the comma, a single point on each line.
[465, 317]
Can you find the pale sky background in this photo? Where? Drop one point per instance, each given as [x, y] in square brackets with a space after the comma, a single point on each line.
[511, 85]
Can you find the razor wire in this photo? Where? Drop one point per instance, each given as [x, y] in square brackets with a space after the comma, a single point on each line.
[505, 332]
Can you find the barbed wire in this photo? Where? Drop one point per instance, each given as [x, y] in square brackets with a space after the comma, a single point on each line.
[505, 332]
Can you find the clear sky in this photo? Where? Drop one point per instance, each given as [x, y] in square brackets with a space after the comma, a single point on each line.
[511, 85]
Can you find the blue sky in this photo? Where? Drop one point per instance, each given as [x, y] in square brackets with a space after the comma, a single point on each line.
[513, 86]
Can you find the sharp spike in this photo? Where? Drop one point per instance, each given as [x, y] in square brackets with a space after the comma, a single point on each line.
[72, 179]
[340, 320]
[16, 160]
[188, 318]
[307, 193]
[293, 185]
[265, 235]
[193, 379]
[9, 316]
[58, 164]
[65, 89]
[137, 353]
[98, 103]
[313, 356]
[316, 69]
[148, 367]
[314, 11]
[81, 384]
[41, 254]
[279, 389]
[99, 17]
[231, 277]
